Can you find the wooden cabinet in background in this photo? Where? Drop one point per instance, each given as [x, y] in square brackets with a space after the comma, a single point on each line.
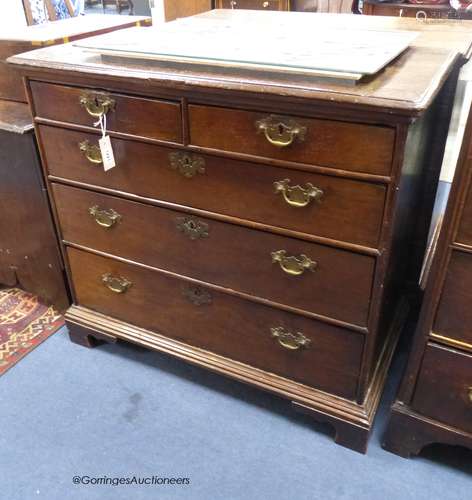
[29, 251]
[419, 11]
[434, 404]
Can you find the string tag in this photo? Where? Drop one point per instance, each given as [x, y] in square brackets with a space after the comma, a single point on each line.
[106, 149]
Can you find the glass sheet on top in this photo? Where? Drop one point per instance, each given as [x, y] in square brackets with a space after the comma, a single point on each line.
[288, 45]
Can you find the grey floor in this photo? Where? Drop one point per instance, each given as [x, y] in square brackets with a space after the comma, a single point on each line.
[120, 411]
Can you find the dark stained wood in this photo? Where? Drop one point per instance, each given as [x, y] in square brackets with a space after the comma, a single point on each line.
[238, 329]
[435, 397]
[15, 117]
[408, 432]
[401, 100]
[231, 256]
[454, 315]
[464, 231]
[349, 211]
[11, 85]
[347, 435]
[29, 254]
[358, 147]
[444, 388]
[152, 118]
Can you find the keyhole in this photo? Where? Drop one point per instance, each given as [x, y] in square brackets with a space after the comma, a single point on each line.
[281, 129]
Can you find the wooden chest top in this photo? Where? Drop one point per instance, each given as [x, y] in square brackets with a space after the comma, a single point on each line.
[406, 86]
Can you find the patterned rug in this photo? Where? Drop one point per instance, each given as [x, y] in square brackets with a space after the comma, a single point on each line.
[24, 324]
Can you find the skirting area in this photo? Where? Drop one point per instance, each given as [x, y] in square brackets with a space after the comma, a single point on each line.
[120, 411]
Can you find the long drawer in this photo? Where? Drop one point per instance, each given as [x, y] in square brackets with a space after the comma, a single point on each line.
[454, 315]
[336, 144]
[149, 118]
[444, 387]
[288, 271]
[289, 345]
[340, 209]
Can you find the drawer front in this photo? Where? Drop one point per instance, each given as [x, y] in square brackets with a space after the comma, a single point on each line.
[444, 388]
[150, 118]
[454, 316]
[464, 233]
[347, 210]
[311, 277]
[220, 323]
[253, 4]
[341, 145]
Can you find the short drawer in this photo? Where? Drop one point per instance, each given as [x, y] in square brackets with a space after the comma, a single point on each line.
[330, 207]
[311, 277]
[289, 345]
[444, 388]
[464, 233]
[336, 144]
[454, 315]
[137, 116]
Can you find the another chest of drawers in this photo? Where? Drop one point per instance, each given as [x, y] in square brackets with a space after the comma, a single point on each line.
[435, 400]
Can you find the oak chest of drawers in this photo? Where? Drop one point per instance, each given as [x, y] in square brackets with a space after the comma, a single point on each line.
[434, 403]
[258, 226]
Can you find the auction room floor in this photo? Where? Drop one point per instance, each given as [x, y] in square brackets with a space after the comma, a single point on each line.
[119, 411]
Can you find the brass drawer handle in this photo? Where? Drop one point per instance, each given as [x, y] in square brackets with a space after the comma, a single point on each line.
[186, 164]
[91, 152]
[104, 217]
[469, 394]
[193, 228]
[97, 104]
[293, 265]
[281, 131]
[116, 284]
[291, 341]
[197, 295]
[297, 196]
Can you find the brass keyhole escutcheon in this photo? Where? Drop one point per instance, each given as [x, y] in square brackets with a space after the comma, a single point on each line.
[97, 104]
[186, 164]
[197, 295]
[193, 228]
[281, 131]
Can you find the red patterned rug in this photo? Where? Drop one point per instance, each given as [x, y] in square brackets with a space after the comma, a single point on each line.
[24, 324]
